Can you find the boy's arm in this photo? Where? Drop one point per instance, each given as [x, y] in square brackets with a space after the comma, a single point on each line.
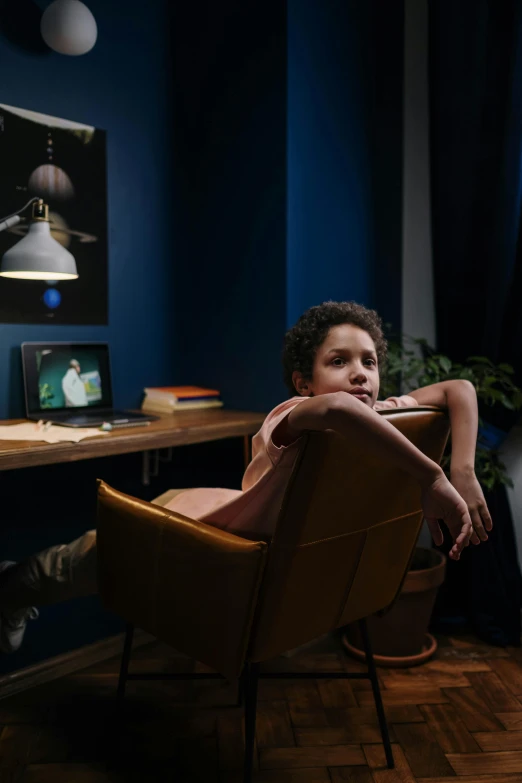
[460, 399]
[358, 422]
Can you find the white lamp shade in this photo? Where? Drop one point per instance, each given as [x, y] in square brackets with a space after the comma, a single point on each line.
[69, 27]
[39, 257]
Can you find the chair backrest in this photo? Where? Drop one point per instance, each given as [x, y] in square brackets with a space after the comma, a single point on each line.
[345, 535]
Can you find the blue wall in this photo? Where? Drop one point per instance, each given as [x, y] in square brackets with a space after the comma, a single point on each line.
[329, 240]
[253, 170]
[344, 159]
[122, 86]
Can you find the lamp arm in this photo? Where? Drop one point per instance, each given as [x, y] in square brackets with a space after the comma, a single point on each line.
[5, 222]
[12, 221]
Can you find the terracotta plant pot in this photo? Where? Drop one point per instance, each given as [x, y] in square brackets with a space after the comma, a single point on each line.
[400, 638]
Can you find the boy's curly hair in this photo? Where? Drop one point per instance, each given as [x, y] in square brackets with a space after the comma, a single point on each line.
[310, 331]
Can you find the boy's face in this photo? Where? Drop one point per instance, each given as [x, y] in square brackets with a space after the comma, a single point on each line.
[346, 361]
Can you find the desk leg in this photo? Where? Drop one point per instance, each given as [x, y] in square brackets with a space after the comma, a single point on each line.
[167, 457]
[247, 454]
[145, 468]
[148, 470]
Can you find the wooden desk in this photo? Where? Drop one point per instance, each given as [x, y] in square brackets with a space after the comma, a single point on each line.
[177, 429]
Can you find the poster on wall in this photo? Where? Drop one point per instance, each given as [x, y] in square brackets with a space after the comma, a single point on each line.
[64, 163]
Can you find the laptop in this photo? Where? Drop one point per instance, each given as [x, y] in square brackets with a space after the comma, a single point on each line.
[70, 384]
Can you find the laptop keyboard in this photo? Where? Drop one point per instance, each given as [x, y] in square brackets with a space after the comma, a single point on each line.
[115, 418]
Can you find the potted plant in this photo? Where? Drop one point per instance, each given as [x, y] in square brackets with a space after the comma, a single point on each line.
[400, 637]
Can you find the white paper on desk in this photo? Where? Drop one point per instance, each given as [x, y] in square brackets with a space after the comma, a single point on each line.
[55, 434]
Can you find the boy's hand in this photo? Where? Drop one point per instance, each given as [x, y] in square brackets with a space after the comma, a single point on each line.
[440, 500]
[468, 487]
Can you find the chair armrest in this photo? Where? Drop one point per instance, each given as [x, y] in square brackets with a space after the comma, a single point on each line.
[189, 584]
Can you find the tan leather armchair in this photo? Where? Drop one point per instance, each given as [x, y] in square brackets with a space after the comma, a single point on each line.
[345, 535]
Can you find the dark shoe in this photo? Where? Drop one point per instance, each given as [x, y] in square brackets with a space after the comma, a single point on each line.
[13, 624]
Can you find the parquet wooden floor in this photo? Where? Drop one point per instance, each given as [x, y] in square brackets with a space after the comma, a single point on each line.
[458, 716]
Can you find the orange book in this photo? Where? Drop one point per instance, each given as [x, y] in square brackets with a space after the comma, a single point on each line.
[181, 392]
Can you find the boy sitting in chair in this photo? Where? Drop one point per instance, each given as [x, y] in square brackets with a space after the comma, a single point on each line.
[331, 364]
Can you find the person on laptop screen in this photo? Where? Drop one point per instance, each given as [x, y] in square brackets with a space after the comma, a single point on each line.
[73, 387]
[70, 384]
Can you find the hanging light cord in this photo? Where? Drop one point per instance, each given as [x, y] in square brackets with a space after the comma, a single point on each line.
[18, 211]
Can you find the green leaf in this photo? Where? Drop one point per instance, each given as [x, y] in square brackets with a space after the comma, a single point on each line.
[495, 394]
[507, 403]
[445, 363]
[493, 383]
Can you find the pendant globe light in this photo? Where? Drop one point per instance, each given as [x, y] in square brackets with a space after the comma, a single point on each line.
[69, 27]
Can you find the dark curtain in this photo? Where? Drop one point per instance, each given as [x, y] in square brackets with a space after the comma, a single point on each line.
[475, 82]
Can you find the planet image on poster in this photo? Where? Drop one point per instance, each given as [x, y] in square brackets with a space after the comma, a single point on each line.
[52, 298]
[51, 181]
[59, 230]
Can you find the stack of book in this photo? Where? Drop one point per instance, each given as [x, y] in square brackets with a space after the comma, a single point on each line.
[171, 399]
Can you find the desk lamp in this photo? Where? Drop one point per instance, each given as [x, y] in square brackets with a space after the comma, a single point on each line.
[37, 256]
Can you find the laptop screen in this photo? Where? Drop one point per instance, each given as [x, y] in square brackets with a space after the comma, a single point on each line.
[66, 376]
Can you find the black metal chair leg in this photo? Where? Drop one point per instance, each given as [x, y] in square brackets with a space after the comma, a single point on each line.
[250, 692]
[377, 694]
[125, 660]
